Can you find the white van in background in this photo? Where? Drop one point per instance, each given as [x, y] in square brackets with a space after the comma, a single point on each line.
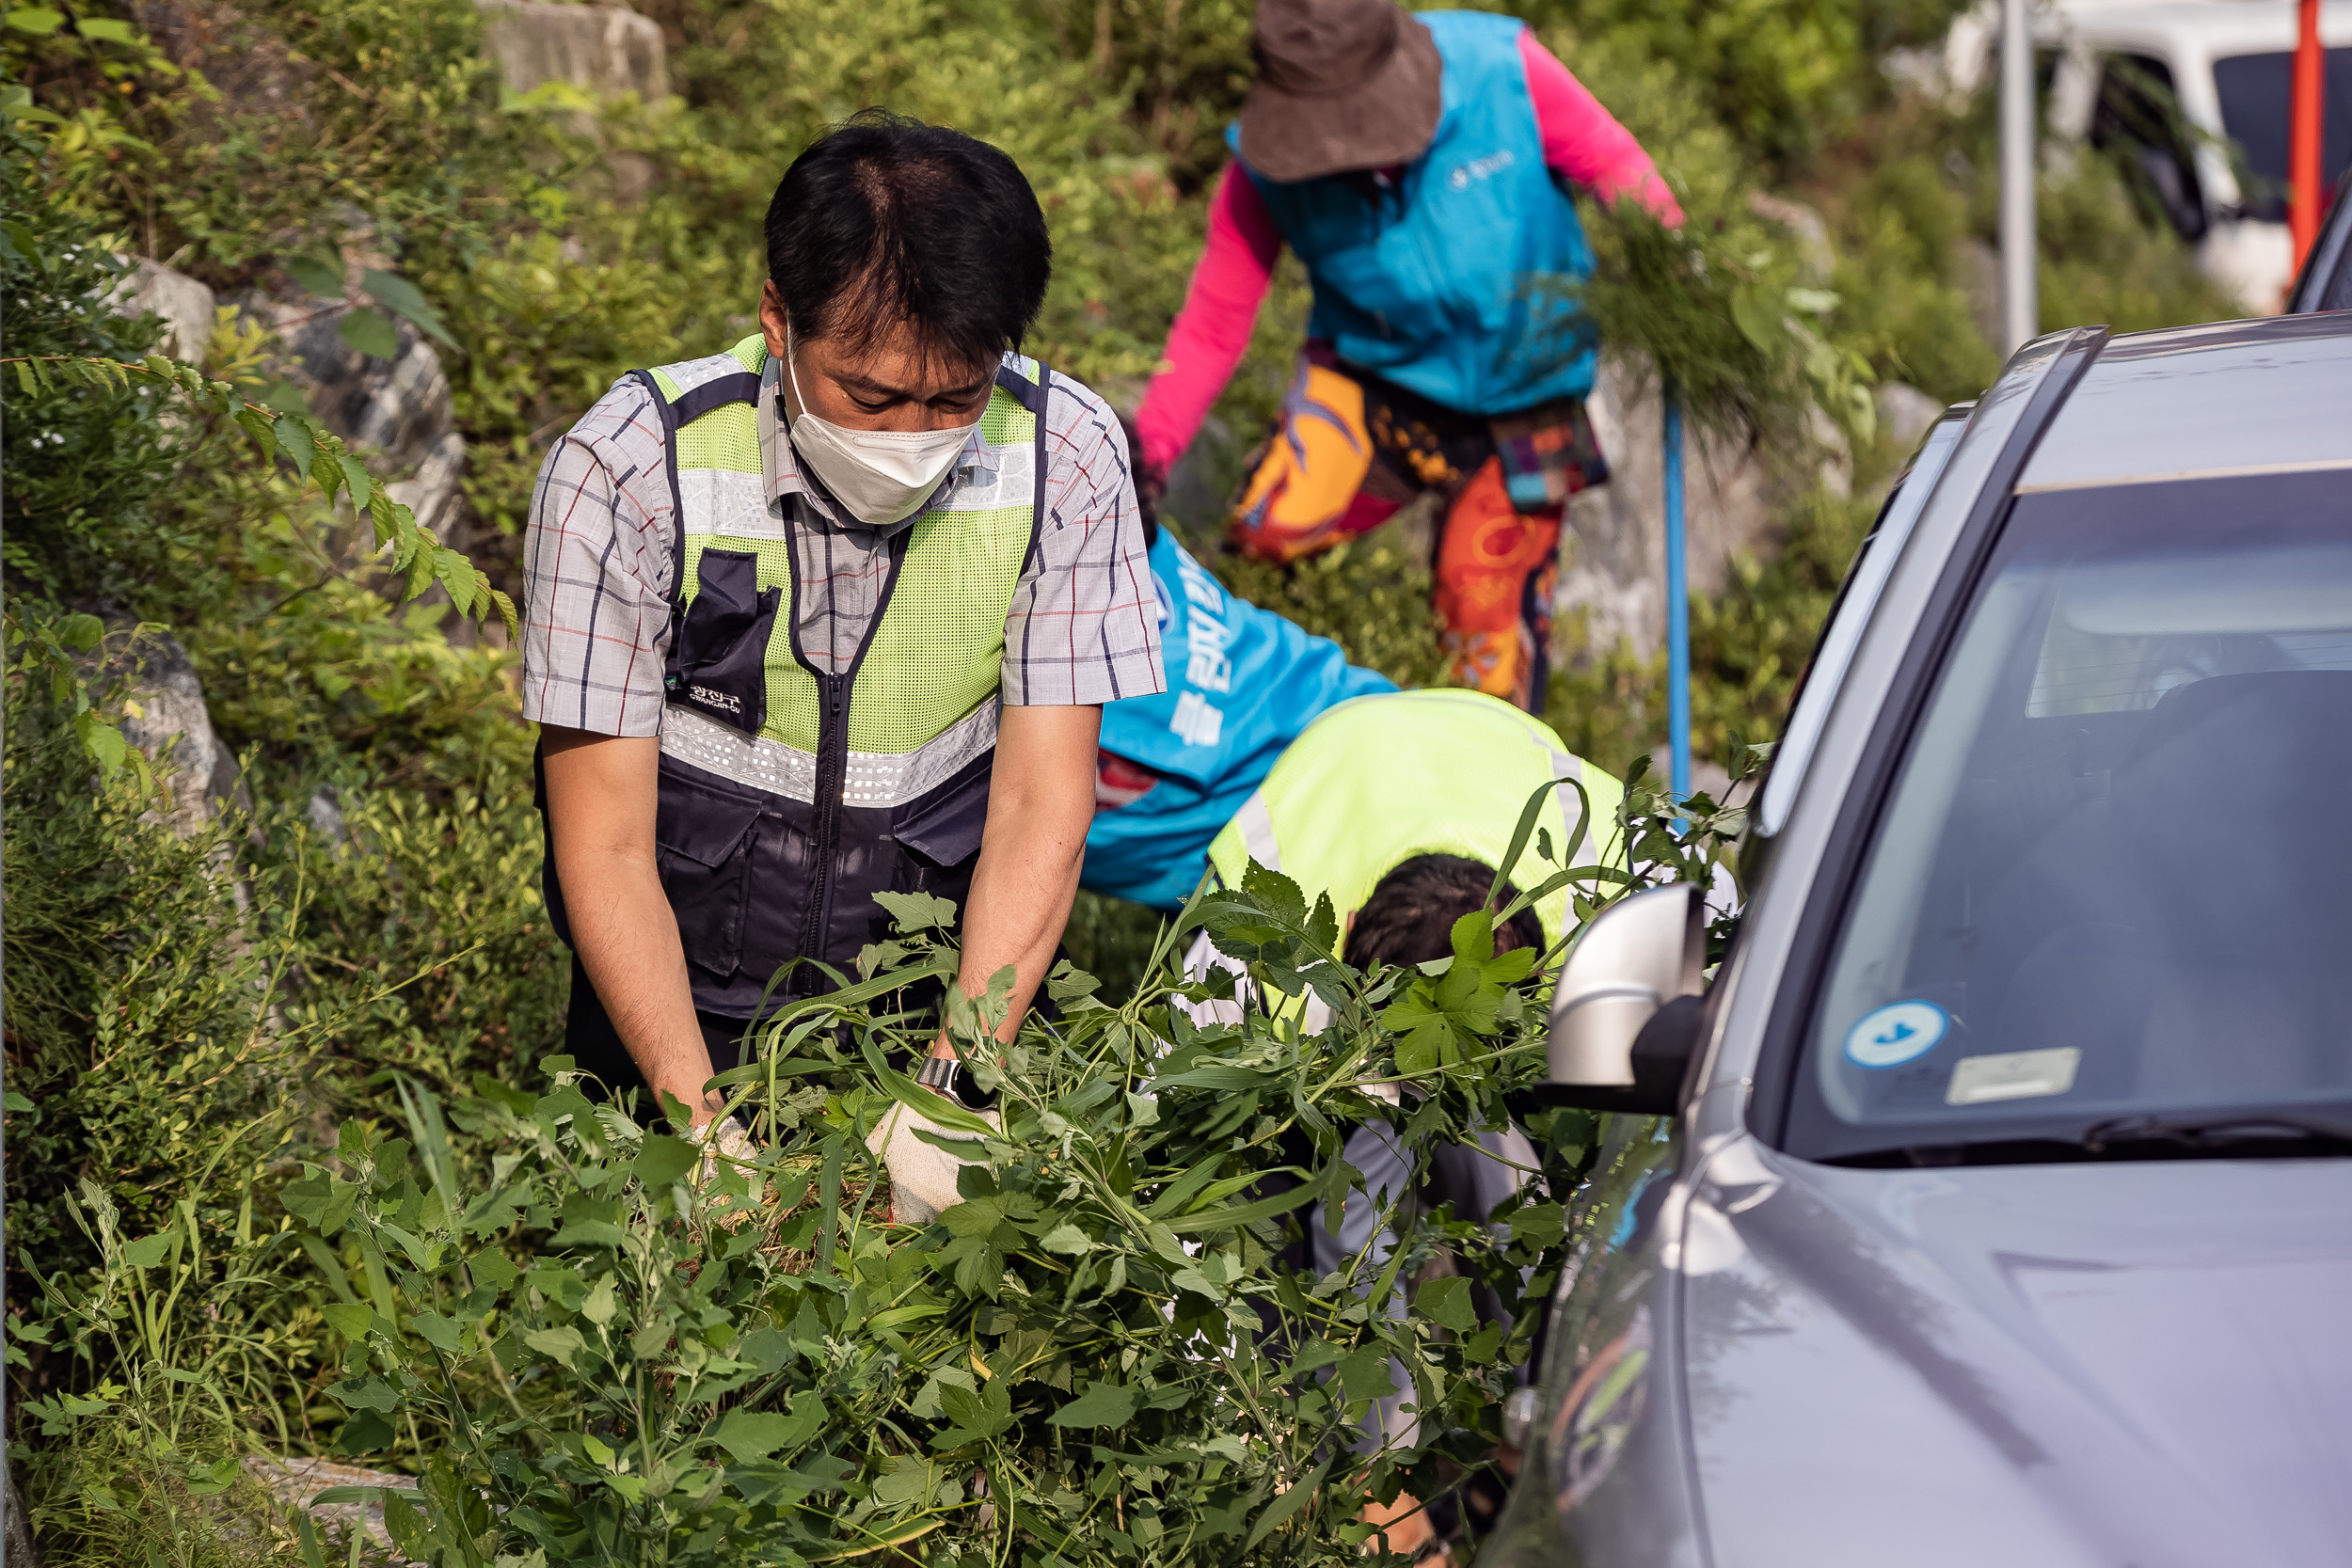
[2196, 94]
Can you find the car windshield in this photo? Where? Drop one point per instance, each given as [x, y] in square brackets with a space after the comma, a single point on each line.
[2111, 880]
[2257, 94]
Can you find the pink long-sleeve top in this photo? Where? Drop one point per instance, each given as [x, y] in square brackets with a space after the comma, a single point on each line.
[1582, 140]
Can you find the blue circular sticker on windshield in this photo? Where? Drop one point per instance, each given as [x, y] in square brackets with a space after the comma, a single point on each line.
[1895, 1034]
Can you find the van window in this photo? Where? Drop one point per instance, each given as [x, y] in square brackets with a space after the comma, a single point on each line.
[2256, 92]
[2137, 120]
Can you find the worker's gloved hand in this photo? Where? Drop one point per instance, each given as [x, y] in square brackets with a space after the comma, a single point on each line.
[922, 1176]
[722, 1139]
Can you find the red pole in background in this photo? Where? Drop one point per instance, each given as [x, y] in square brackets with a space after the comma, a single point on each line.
[2303, 134]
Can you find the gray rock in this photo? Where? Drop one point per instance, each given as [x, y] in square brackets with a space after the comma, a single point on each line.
[605, 48]
[295, 1481]
[185, 305]
[325, 818]
[1812, 233]
[1906, 412]
[171, 725]
[1614, 565]
[398, 408]
[1979, 268]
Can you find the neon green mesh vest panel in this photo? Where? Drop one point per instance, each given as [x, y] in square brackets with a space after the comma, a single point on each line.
[936, 653]
[1379, 780]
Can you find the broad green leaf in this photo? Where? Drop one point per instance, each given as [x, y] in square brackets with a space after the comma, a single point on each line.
[1104, 1404]
[104, 743]
[396, 294]
[406, 1527]
[257, 426]
[293, 434]
[1290, 1502]
[148, 1251]
[106, 29]
[918, 911]
[1757, 314]
[562, 1345]
[349, 1319]
[37, 20]
[976, 1416]
[749, 1435]
[438, 1332]
[1475, 939]
[1447, 1302]
[456, 574]
[82, 632]
[320, 275]
[369, 332]
[357, 480]
[365, 1392]
[367, 1432]
[663, 1159]
[1067, 1238]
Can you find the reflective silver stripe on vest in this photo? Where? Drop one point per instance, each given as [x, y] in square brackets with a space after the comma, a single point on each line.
[1256, 832]
[723, 503]
[873, 778]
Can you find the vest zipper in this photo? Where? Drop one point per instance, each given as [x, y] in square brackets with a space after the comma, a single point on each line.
[832, 767]
[833, 749]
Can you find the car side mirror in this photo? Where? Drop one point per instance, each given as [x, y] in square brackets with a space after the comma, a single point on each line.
[1626, 1015]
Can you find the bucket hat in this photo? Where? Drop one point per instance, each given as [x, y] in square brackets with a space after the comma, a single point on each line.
[1341, 85]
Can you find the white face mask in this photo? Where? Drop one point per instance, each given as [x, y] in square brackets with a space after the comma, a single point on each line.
[883, 476]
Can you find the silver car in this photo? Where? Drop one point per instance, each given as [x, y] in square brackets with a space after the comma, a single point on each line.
[1991, 1205]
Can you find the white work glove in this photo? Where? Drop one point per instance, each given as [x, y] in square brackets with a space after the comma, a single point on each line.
[922, 1176]
[722, 1139]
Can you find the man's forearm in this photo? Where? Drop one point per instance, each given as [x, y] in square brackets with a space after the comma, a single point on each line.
[1022, 892]
[627, 941]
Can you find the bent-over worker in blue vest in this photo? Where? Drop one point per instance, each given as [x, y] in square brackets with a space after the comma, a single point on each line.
[1242, 683]
[828, 613]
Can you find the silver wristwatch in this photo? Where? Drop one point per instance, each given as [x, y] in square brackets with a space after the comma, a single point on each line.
[945, 1076]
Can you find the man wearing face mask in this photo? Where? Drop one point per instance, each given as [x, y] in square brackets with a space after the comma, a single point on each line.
[828, 615]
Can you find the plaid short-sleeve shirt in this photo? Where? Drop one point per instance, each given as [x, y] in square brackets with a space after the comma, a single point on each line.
[1083, 627]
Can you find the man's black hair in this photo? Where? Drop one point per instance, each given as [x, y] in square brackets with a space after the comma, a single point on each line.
[886, 219]
[1410, 918]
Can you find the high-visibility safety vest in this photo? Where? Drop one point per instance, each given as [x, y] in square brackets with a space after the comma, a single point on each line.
[1379, 780]
[790, 796]
[1455, 282]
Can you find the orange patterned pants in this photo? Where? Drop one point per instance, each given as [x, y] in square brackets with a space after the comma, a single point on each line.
[1347, 454]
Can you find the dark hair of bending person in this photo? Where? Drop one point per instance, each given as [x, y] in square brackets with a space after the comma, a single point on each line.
[887, 221]
[1410, 918]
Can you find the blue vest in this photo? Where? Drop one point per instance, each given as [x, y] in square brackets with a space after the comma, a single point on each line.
[1242, 683]
[1452, 283]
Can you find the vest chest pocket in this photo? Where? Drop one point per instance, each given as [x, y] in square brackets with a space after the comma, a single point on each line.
[718, 661]
[703, 842]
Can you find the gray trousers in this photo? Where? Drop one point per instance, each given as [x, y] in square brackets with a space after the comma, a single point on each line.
[1475, 1177]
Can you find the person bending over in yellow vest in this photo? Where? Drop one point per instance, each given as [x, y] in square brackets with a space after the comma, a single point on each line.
[1399, 807]
[828, 614]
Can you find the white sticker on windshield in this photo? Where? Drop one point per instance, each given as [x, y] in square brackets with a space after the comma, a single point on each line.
[2012, 1075]
[1895, 1034]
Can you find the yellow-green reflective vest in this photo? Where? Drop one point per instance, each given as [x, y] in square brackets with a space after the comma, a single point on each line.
[792, 795]
[1377, 781]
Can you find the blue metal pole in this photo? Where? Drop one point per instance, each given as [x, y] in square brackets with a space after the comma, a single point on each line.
[1677, 607]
